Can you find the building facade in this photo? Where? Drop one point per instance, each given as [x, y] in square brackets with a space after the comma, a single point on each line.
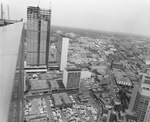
[71, 78]
[12, 73]
[140, 102]
[62, 52]
[38, 36]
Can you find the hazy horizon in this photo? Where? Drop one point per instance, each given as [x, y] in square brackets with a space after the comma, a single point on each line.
[125, 16]
[100, 30]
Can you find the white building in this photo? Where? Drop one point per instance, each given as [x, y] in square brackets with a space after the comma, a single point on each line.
[71, 78]
[147, 61]
[11, 72]
[85, 74]
[140, 102]
[62, 52]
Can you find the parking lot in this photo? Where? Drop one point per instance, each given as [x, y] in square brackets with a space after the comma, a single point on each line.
[44, 106]
[78, 112]
[35, 107]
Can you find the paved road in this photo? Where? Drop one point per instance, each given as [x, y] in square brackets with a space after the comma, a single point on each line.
[36, 96]
[49, 110]
[90, 115]
[63, 117]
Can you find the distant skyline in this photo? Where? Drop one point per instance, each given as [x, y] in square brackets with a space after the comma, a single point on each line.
[127, 16]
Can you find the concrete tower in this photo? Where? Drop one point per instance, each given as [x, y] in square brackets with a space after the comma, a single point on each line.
[62, 52]
[140, 102]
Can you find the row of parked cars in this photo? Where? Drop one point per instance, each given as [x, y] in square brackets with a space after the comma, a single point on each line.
[72, 99]
[93, 111]
[82, 109]
[50, 101]
[56, 115]
[71, 114]
[42, 105]
[28, 107]
[84, 114]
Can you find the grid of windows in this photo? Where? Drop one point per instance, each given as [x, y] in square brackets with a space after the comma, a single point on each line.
[73, 80]
[136, 101]
[38, 32]
[147, 116]
[142, 108]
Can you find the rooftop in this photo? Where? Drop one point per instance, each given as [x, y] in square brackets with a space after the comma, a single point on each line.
[121, 77]
[103, 95]
[54, 84]
[146, 79]
[105, 81]
[58, 98]
[38, 84]
[73, 69]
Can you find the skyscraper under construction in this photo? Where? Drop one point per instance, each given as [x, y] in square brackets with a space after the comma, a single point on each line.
[38, 35]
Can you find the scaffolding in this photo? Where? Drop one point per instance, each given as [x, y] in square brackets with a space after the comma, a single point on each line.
[38, 36]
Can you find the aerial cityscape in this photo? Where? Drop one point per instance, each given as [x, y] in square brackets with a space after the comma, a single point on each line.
[52, 73]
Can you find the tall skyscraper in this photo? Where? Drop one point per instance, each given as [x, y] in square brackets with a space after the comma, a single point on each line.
[62, 52]
[12, 72]
[38, 35]
[71, 78]
[140, 102]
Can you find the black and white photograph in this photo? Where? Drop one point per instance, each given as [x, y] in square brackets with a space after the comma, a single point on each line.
[74, 60]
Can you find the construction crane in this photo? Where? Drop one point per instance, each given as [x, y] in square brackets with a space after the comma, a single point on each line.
[2, 11]
[8, 11]
[4, 21]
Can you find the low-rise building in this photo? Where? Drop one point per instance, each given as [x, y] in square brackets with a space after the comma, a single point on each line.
[117, 65]
[85, 74]
[102, 96]
[61, 100]
[54, 85]
[121, 78]
[83, 98]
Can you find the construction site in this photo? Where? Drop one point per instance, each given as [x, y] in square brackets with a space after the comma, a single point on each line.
[38, 36]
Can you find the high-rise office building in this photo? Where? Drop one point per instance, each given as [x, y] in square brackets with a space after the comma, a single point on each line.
[38, 36]
[12, 72]
[62, 52]
[71, 78]
[140, 102]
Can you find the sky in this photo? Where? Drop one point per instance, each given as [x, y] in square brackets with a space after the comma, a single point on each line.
[127, 16]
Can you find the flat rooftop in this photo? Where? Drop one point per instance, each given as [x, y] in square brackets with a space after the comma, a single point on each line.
[38, 84]
[121, 77]
[54, 84]
[46, 76]
[58, 98]
[42, 119]
[73, 69]
[146, 79]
